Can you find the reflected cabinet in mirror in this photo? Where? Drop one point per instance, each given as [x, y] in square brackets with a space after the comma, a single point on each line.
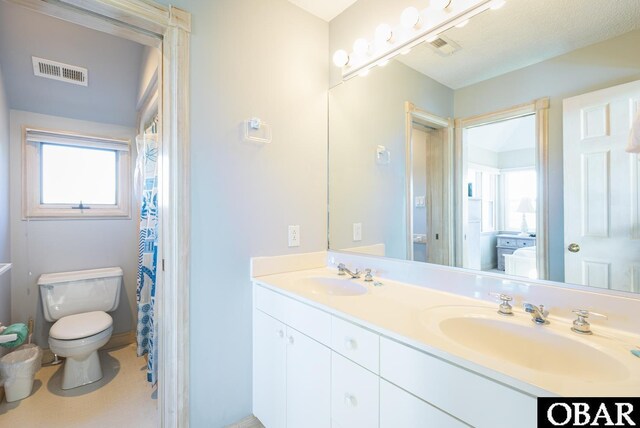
[500, 145]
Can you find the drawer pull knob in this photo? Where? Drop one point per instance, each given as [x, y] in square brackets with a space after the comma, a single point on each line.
[280, 333]
[350, 344]
[350, 400]
[291, 340]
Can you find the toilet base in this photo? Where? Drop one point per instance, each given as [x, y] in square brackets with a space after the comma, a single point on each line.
[81, 370]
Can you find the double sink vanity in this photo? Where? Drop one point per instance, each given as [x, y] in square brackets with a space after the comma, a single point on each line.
[425, 345]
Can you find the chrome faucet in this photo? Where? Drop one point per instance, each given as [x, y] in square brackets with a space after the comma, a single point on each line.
[342, 270]
[538, 314]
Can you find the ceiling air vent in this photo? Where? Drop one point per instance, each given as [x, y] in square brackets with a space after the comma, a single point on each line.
[59, 71]
[444, 46]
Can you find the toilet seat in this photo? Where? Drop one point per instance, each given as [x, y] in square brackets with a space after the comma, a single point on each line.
[80, 326]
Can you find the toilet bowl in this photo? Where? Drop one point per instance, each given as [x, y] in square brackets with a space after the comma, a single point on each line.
[78, 302]
[78, 338]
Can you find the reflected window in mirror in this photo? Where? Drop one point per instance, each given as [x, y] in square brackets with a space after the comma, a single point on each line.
[520, 192]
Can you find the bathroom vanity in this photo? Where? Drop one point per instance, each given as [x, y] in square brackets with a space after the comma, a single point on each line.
[331, 350]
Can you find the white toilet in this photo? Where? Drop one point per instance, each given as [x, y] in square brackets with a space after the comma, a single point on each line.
[78, 302]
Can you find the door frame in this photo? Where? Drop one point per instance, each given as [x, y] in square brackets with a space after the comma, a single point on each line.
[413, 113]
[167, 28]
[539, 107]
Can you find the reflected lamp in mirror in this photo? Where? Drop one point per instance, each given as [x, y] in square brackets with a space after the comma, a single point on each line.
[525, 207]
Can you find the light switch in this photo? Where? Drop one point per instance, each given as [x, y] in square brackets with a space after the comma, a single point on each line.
[357, 231]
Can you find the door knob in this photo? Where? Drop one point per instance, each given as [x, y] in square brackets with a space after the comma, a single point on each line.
[573, 247]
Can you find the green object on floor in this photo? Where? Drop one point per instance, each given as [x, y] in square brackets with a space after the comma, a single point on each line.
[636, 352]
[18, 329]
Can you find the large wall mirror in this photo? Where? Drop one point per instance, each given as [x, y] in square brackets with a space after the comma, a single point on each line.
[498, 147]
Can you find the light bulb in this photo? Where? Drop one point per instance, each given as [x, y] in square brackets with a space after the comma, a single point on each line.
[497, 4]
[384, 34]
[361, 47]
[440, 4]
[340, 58]
[410, 18]
[462, 24]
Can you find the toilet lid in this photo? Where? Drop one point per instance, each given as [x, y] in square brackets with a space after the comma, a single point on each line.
[80, 325]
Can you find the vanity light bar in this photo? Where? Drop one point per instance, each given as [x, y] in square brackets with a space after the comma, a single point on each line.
[416, 27]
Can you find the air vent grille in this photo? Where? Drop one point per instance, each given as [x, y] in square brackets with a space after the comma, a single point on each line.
[444, 46]
[438, 43]
[59, 71]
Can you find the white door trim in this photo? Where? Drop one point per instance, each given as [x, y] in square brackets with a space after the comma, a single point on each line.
[412, 112]
[168, 28]
[540, 108]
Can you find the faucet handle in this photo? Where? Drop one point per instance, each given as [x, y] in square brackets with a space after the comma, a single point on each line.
[368, 276]
[341, 268]
[581, 325]
[583, 313]
[505, 307]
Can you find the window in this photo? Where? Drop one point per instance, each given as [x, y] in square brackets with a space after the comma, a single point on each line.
[482, 184]
[519, 185]
[73, 176]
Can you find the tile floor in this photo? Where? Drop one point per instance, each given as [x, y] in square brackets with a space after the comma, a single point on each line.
[121, 399]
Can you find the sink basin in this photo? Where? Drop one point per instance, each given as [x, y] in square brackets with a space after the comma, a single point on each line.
[517, 340]
[332, 286]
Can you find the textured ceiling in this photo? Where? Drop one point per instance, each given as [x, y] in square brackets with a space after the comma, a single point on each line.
[521, 33]
[513, 134]
[114, 68]
[324, 9]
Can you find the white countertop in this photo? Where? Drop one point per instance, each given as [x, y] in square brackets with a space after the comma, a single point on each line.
[401, 311]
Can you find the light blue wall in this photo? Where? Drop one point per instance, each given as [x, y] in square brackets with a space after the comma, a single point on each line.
[365, 113]
[248, 58]
[5, 254]
[598, 66]
[113, 65]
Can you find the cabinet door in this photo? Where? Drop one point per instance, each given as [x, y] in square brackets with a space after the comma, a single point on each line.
[308, 382]
[354, 394]
[269, 370]
[401, 409]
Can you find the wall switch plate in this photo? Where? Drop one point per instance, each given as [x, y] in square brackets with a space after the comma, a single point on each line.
[357, 231]
[294, 236]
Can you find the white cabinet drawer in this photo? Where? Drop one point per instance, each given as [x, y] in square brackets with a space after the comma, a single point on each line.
[356, 343]
[354, 395]
[304, 318]
[507, 242]
[472, 398]
[398, 408]
[526, 243]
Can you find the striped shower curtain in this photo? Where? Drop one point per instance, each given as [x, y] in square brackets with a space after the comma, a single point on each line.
[147, 191]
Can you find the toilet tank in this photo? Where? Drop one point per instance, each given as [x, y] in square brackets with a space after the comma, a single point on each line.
[70, 293]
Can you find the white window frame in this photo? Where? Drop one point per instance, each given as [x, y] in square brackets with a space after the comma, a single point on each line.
[480, 193]
[33, 208]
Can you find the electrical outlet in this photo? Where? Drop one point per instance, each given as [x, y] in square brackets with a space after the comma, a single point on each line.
[357, 231]
[294, 236]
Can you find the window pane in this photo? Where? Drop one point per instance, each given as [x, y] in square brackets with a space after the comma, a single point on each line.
[519, 185]
[74, 174]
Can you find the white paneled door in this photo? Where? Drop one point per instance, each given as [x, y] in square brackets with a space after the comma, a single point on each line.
[601, 189]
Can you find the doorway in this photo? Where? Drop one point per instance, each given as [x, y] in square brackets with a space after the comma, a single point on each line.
[167, 29]
[501, 190]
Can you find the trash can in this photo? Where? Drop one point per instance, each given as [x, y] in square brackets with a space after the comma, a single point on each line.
[18, 369]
